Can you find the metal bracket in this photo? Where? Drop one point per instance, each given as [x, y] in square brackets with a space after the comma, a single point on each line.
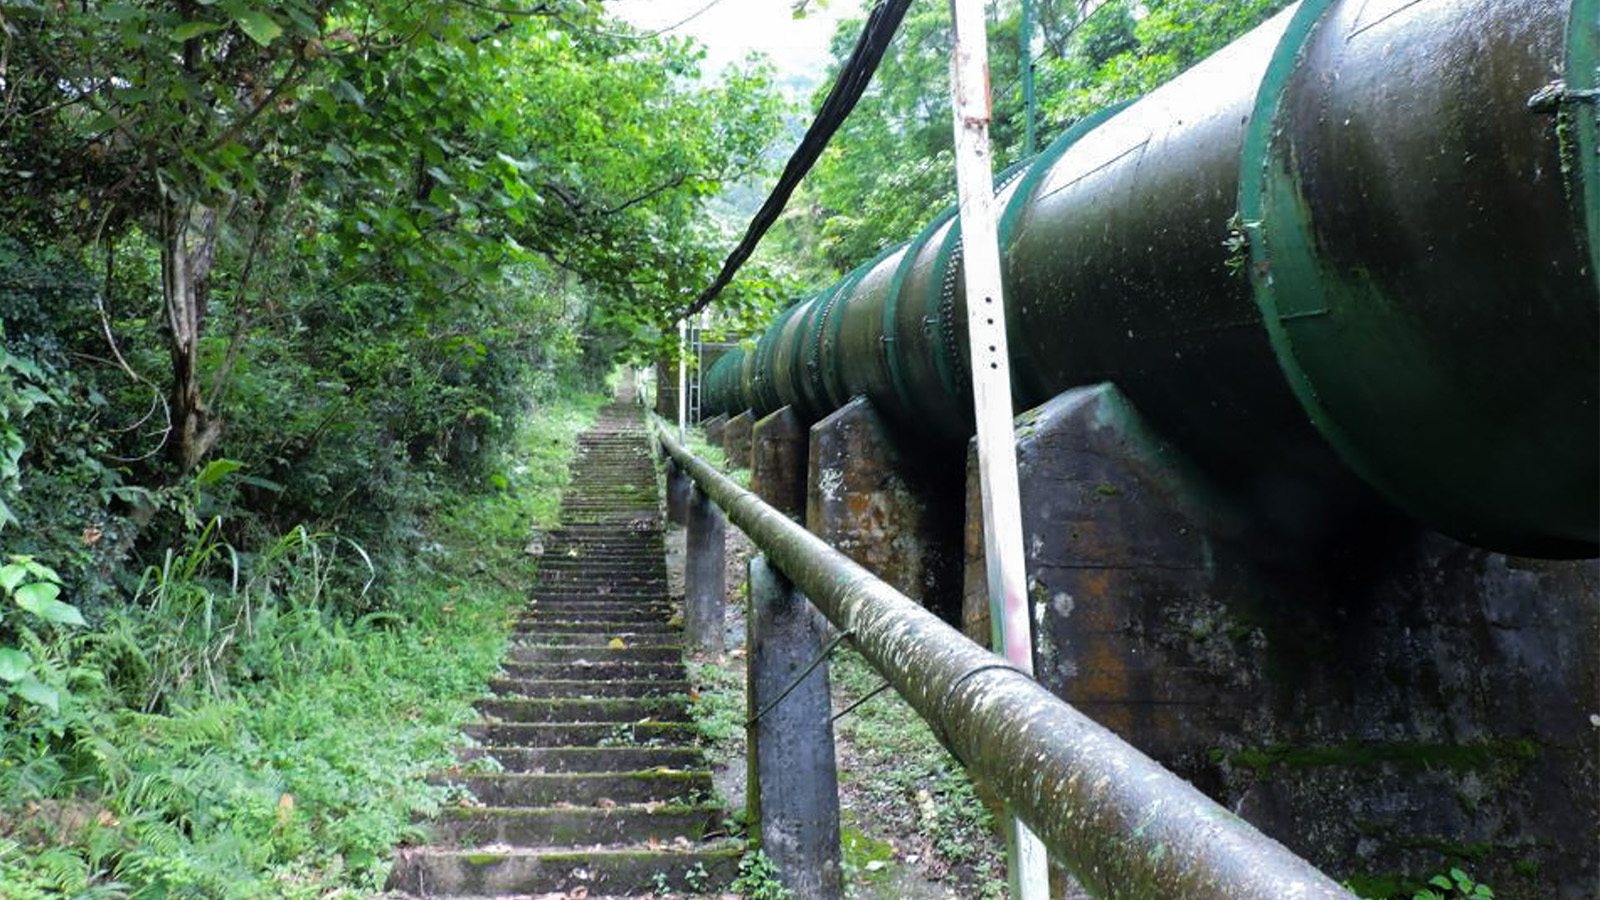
[1549, 99]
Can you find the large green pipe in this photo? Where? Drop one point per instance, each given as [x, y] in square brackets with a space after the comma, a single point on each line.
[1352, 254]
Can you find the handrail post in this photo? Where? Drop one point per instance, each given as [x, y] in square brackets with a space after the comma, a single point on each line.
[678, 488]
[793, 792]
[704, 580]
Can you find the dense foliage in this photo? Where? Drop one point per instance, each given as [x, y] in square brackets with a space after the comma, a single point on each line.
[891, 168]
[286, 288]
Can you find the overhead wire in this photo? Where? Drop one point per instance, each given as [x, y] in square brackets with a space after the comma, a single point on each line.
[847, 89]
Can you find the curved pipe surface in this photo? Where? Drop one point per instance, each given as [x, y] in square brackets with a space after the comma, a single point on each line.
[1345, 257]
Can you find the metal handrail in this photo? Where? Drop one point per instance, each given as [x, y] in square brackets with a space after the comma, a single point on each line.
[1126, 827]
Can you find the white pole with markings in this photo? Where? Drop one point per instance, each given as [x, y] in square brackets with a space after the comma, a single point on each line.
[991, 389]
[683, 378]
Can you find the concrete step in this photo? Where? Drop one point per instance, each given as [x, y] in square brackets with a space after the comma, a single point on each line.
[477, 826]
[595, 634]
[581, 734]
[605, 709]
[596, 670]
[587, 759]
[635, 653]
[599, 612]
[542, 595]
[623, 871]
[599, 789]
[580, 688]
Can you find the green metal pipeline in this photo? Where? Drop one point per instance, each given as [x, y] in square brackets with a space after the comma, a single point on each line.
[1126, 827]
[1355, 254]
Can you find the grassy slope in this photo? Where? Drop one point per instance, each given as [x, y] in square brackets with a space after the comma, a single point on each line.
[297, 781]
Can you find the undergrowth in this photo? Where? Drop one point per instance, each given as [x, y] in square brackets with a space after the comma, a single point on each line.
[909, 777]
[239, 731]
[715, 456]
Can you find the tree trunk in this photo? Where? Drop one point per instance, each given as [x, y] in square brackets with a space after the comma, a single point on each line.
[189, 245]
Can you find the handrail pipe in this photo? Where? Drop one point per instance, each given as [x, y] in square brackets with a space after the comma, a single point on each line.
[1127, 828]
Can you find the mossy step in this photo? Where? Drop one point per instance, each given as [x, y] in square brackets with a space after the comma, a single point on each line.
[607, 709]
[579, 688]
[626, 555]
[543, 594]
[641, 546]
[595, 670]
[618, 872]
[623, 616]
[591, 606]
[508, 789]
[595, 637]
[636, 653]
[569, 631]
[476, 826]
[596, 628]
[603, 584]
[581, 734]
[561, 568]
[587, 759]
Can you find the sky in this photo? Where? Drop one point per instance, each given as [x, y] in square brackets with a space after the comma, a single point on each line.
[732, 28]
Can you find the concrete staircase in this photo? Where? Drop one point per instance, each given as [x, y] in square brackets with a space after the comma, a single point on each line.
[602, 790]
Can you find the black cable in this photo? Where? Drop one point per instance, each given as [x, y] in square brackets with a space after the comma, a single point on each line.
[868, 696]
[821, 657]
[852, 82]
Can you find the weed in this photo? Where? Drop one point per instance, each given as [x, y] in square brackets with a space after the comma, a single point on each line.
[697, 877]
[1456, 885]
[717, 708]
[758, 879]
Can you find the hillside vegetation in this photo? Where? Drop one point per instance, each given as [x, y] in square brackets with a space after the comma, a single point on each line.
[300, 306]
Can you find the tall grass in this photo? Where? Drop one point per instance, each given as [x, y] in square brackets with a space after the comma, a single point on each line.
[254, 724]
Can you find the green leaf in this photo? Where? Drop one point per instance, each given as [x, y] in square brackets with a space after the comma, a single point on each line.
[39, 598]
[31, 596]
[11, 575]
[14, 664]
[191, 30]
[258, 25]
[39, 694]
[216, 470]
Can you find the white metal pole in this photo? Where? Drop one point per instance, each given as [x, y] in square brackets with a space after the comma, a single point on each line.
[683, 377]
[1004, 562]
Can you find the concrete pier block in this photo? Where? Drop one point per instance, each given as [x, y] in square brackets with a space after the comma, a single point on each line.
[886, 505]
[793, 785]
[1397, 704]
[736, 440]
[778, 445]
[712, 429]
[705, 579]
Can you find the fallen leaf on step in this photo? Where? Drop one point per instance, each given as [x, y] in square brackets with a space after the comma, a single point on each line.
[617, 644]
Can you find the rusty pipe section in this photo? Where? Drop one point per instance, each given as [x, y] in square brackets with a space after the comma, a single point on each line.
[1125, 826]
[1349, 264]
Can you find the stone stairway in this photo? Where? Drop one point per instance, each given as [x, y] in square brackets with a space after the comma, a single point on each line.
[601, 789]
